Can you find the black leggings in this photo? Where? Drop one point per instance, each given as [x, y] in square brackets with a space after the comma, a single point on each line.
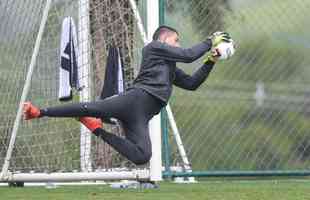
[134, 109]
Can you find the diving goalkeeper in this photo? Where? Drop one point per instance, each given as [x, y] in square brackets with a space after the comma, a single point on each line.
[150, 92]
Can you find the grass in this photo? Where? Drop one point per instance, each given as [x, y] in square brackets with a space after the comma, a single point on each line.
[215, 190]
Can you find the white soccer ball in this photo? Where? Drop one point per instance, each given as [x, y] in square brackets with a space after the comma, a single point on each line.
[225, 50]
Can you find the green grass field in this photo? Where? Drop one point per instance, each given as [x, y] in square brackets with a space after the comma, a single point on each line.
[213, 190]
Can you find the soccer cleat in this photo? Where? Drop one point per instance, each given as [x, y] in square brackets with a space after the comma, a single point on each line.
[91, 123]
[30, 111]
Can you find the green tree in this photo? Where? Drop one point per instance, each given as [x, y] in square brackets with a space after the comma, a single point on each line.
[206, 15]
[112, 24]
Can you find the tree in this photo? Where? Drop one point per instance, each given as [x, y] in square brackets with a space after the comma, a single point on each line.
[112, 23]
[206, 15]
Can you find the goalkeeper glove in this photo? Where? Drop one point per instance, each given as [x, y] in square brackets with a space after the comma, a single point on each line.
[211, 56]
[218, 37]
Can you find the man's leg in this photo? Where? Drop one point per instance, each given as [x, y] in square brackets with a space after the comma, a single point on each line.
[136, 147]
[127, 108]
[116, 106]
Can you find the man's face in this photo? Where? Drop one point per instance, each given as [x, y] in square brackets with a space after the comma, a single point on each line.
[172, 39]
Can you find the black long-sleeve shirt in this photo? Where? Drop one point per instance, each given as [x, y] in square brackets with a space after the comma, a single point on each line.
[158, 70]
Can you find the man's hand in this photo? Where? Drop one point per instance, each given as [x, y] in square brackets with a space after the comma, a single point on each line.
[216, 38]
[212, 56]
[219, 37]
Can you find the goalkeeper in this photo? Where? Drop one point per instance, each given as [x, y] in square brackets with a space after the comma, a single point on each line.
[148, 95]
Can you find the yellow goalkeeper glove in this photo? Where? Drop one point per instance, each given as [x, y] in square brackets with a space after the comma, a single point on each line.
[219, 37]
[211, 56]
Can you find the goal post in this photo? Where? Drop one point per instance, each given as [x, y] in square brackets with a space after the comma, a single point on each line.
[154, 124]
[84, 63]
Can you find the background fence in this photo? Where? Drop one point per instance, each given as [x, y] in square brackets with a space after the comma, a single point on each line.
[251, 114]
[253, 111]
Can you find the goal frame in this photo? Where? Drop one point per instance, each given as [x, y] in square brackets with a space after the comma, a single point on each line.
[86, 174]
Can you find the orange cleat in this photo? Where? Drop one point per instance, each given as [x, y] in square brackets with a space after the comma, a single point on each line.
[30, 111]
[91, 123]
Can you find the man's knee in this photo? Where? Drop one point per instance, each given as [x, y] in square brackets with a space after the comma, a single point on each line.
[85, 108]
[91, 109]
[143, 158]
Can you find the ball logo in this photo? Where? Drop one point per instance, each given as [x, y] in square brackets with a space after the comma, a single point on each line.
[229, 53]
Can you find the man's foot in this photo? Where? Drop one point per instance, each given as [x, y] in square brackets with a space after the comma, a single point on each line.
[30, 111]
[91, 123]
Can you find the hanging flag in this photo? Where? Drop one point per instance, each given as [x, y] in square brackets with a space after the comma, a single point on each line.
[68, 72]
[114, 77]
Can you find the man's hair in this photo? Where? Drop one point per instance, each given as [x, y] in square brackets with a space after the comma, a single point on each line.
[162, 30]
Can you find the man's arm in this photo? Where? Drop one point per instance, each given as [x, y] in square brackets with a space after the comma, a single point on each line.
[177, 54]
[188, 82]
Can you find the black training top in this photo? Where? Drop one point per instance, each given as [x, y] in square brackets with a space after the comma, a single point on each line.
[158, 68]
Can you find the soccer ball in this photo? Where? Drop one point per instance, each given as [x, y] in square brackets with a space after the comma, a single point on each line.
[225, 50]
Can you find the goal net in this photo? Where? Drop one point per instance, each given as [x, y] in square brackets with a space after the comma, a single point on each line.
[56, 144]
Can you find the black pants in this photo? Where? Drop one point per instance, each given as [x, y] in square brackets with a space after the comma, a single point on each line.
[134, 109]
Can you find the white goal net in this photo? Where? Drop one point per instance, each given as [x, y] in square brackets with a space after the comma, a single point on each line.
[52, 145]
